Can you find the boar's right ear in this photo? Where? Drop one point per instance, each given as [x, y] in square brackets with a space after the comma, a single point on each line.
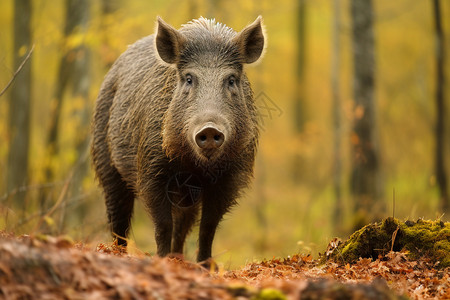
[250, 41]
[169, 42]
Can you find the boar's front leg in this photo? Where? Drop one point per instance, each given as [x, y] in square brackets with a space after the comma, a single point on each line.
[161, 212]
[213, 209]
[183, 221]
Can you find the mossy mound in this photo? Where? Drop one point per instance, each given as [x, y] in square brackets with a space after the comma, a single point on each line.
[430, 239]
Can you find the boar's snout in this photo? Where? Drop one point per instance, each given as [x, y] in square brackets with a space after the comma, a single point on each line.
[209, 137]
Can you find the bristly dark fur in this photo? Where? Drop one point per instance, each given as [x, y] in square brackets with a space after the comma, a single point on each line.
[142, 135]
[210, 40]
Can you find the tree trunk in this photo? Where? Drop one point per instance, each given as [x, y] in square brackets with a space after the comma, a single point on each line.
[299, 101]
[261, 243]
[299, 90]
[337, 134]
[441, 175]
[19, 106]
[109, 9]
[80, 89]
[365, 178]
[73, 70]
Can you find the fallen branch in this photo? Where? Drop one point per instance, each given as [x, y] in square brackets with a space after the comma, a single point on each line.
[17, 71]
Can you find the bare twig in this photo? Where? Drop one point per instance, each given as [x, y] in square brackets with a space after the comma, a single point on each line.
[17, 71]
[72, 203]
[27, 188]
[394, 235]
[393, 203]
[58, 202]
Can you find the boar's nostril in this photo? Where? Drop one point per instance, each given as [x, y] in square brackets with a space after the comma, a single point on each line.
[209, 138]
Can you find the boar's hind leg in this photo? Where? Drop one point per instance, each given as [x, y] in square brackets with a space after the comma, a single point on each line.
[183, 221]
[119, 205]
[119, 199]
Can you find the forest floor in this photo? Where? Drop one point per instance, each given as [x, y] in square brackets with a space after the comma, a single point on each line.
[46, 267]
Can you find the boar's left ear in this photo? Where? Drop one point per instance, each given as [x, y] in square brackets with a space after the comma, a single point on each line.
[250, 41]
[169, 42]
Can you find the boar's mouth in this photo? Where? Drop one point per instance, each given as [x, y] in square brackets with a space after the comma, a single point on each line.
[210, 155]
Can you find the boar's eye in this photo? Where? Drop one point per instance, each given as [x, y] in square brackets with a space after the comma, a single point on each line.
[231, 81]
[189, 79]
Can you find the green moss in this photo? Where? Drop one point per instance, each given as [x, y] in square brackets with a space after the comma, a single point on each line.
[422, 238]
[270, 294]
[427, 238]
[248, 292]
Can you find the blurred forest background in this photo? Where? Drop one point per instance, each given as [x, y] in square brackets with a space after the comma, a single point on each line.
[354, 104]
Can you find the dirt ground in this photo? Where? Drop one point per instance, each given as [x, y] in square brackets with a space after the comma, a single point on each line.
[46, 267]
